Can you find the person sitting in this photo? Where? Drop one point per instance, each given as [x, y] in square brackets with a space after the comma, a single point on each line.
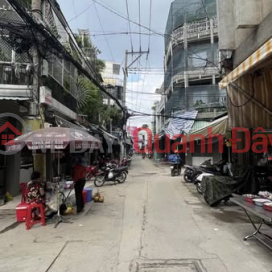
[35, 191]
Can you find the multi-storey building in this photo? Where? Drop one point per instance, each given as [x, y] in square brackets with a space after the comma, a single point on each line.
[113, 83]
[246, 48]
[191, 64]
[36, 84]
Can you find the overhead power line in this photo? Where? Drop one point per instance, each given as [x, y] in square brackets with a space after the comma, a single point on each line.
[129, 25]
[137, 113]
[140, 37]
[124, 17]
[150, 20]
[103, 30]
[38, 30]
[143, 93]
[122, 33]
[148, 28]
[72, 19]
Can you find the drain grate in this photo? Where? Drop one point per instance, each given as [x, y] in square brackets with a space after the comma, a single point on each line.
[167, 266]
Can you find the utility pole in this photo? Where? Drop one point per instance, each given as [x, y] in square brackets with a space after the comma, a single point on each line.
[125, 70]
[36, 12]
[186, 77]
[125, 79]
[39, 159]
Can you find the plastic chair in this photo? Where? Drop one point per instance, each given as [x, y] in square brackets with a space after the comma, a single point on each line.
[29, 219]
[23, 187]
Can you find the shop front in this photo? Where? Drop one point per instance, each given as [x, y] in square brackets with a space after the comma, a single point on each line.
[201, 149]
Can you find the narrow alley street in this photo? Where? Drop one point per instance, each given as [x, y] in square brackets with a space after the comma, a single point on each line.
[153, 222]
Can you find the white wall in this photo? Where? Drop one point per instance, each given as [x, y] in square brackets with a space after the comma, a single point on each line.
[238, 18]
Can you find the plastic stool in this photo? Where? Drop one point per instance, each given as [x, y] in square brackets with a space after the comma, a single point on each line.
[29, 220]
[23, 187]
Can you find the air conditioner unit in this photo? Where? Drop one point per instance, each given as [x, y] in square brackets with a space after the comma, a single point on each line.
[45, 68]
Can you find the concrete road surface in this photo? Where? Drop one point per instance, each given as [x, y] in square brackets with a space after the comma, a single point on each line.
[153, 222]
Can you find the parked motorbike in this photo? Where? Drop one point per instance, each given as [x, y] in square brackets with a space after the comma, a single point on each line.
[92, 171]
[208, 169]
[175, 169]
[189, 173]
[192, 172]
[111, 173]
[126, 161]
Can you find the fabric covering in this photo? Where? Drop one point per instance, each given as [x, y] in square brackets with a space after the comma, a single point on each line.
[216, 188]
[181, 126]
[219, 126]
[53, 138]
[61, 122]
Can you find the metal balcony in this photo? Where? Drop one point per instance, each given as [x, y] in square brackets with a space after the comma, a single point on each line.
[195, 31]
[12, 74]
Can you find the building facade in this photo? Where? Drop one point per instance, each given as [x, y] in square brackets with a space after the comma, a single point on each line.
[246, 49]
[191, 65]
[37, 84]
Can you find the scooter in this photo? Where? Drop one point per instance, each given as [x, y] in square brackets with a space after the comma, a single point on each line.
[126, 161]
[206, 169]
[192, 172]
[189, 173]
[111, 173]
[175, 169]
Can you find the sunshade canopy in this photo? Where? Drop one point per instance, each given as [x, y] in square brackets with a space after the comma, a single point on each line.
[218, 126]
[54, 138]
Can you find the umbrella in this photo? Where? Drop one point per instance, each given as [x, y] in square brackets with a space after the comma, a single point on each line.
[55, 138]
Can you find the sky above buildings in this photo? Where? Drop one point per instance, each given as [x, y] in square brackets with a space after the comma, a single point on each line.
[87, 14]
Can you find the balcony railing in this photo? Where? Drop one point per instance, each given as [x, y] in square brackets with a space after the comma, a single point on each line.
[65, 74]
[195, 30]
[14, 74]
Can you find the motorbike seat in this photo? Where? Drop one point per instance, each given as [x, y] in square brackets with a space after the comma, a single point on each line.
[120, 169]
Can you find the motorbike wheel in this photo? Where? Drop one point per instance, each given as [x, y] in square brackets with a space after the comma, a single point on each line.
[199, 188]
[172, 173]
[122, 177]
[88, 176]
[99, 181]
[187, 179]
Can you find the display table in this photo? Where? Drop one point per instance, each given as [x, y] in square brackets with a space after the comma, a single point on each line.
[265, 218]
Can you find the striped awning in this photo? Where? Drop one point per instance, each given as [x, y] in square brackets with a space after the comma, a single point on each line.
[256, 58]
